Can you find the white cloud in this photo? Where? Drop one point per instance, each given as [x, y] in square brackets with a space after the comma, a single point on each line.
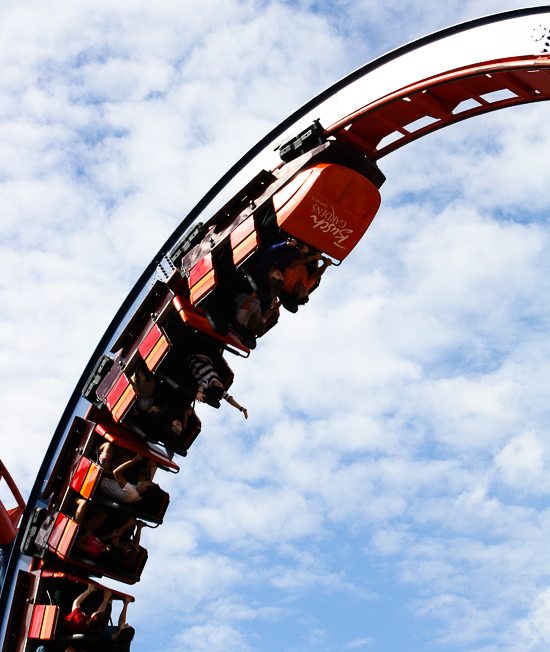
[534, 630]
[521, 463]
[213, 637]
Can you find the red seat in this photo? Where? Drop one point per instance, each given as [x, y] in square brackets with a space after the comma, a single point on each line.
[86, 477]
[244, 241]
[63, 536]
[154, 347]
[203, 278]
[43, 621]
[121, 398]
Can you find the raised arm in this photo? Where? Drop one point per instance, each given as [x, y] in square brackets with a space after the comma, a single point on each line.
[148, 473]
[320, 270]
[78, 601]
[106, 599]
[119, 471]
[234, 403]
[122, 624]
[271, 310]
[115, 534]
[137, 536]
[122, 617]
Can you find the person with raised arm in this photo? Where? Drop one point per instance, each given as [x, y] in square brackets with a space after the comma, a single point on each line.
[78, 622]
[276, 259]
[208, 381]
[298, 280]
[122, 633]
[122, 490]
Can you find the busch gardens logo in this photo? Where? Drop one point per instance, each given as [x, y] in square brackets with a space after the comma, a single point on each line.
[325, 219]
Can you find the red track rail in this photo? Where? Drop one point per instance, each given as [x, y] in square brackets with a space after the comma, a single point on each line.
[416, 110]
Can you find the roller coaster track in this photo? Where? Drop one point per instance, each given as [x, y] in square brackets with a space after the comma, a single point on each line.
[466, 70]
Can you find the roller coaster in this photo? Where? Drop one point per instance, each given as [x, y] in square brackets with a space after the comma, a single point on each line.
[254, 248]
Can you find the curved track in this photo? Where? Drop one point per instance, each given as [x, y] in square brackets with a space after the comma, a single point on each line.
[463, 71]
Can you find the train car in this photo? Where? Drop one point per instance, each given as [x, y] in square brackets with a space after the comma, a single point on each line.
[148, 386]
[92, 525]
[44, 600]
[322, 198]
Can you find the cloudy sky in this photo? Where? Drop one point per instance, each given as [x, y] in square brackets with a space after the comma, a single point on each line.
[390, 488]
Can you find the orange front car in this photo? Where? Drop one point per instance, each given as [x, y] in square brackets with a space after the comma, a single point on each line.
[329, 207]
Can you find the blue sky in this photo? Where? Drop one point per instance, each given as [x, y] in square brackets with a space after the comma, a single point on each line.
[390, 488]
